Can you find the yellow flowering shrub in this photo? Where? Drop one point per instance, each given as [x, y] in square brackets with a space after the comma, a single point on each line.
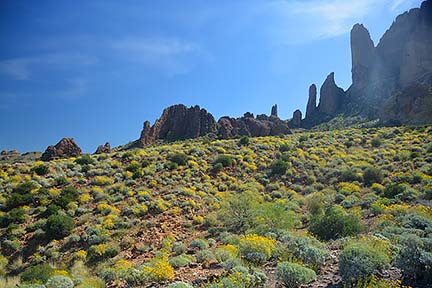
[256, 249]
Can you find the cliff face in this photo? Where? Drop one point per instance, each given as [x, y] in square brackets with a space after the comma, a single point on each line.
[391, 81]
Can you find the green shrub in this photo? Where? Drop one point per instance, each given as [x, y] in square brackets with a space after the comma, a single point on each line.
[217, 167]
[278, 167]
[360, 262]
[244, 141]
[101, 252]
[59, 281]
[37, 274]
[68, 194]
[372, 175]
[306, 248]
[293, 275]
[84, 160]
[335, 223]
[178, 248]
[14, 216]
[376, 142]
[198, 243]
[393, 189]
[58, 226]
[225, 160]
[204, 255]
[179, 261]
[349, 176]
[415, 257]
[284, 148]
[40, 169]
[179, 158]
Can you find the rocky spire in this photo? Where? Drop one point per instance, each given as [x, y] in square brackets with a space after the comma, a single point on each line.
[274, 110]
[311, 105]
[296, 119]
[331, 96]
[362, 54]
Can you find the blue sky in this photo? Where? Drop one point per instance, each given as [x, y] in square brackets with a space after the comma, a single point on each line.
[95, 70]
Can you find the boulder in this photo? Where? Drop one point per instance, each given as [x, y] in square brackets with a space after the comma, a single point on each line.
[66, 148]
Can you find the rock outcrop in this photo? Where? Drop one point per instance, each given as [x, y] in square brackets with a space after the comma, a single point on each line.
[178, 123]
[248, 125]
[296, 121]
[66, 148]
[331, 97]
[103, 148]
[274, 111]
[311, 104]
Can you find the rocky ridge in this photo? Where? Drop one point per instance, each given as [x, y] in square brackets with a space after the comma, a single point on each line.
[179, 122]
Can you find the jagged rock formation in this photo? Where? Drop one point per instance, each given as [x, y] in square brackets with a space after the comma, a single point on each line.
[66, 148]
[248, 125]
[311, 104]
[274, 111]
[331, 97]
[178, 123]
[103, 148]
[296, 119]
[391, 81]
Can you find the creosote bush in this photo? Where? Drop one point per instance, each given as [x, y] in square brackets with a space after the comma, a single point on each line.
[58, 226]
[335, 223]
[178, 158]
[278, 167]
[225, 160]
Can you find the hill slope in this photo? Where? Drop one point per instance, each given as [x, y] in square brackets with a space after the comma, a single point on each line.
[225, 212]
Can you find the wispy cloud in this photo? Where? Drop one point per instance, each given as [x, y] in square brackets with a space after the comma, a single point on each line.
[298, 21]
[170, 56]
[27, 67]
[303, 21]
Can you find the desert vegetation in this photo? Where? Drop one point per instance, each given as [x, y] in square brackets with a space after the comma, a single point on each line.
[300, 209]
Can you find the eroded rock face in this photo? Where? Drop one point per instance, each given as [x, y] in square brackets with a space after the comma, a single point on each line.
[103, 148]
[248, 125]
[413, 105]
[178, 123]
[331, 97]
[296, 119]
[311, 104]
[66, 148]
